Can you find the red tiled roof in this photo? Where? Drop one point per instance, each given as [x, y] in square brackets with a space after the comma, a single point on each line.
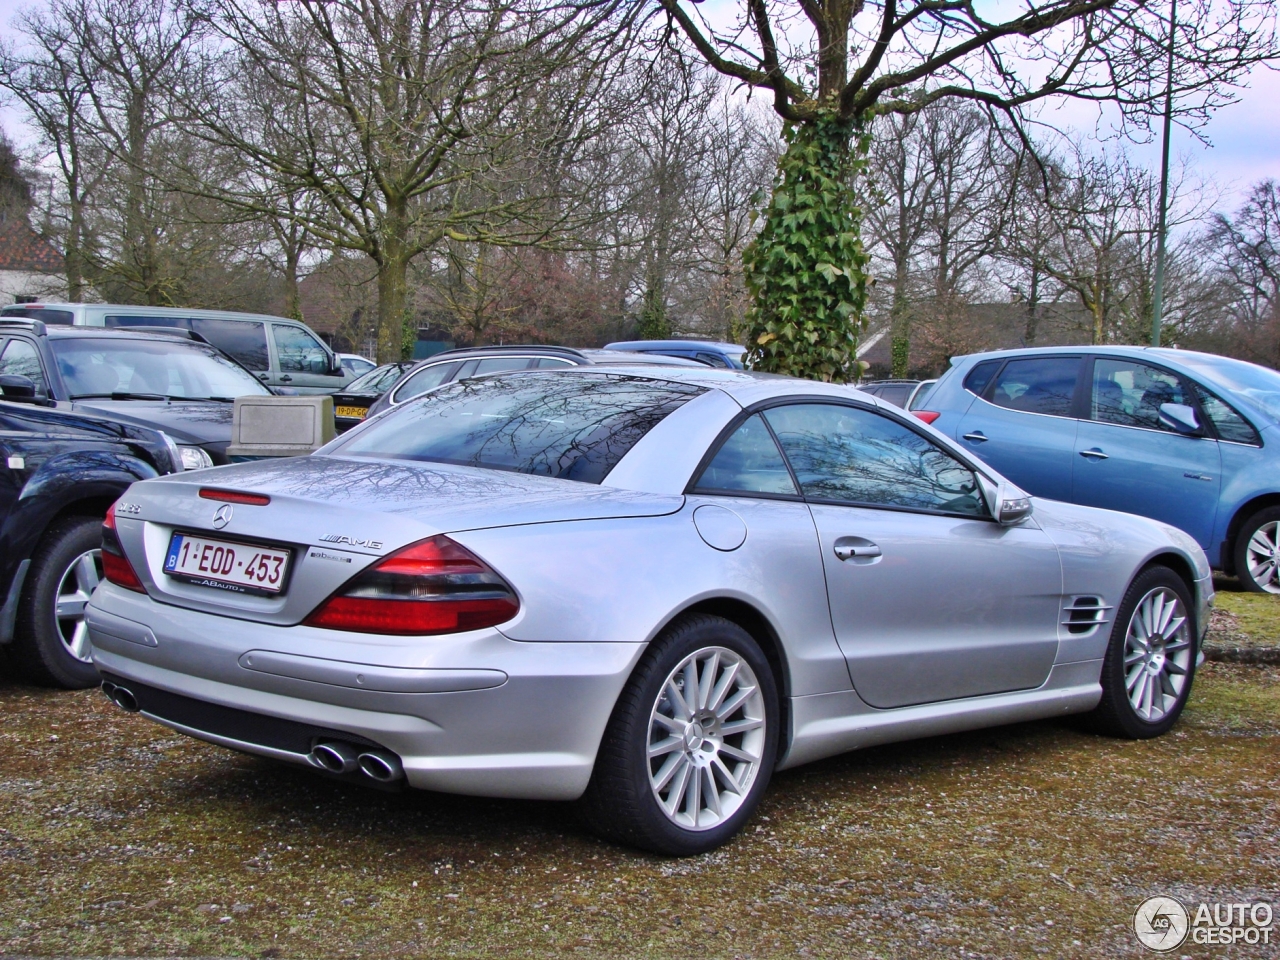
[21, 248]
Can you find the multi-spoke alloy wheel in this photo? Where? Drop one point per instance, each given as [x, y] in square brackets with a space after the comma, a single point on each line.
[1157, 654]
[74, 590]
[691, 744]
[1151, 658]
[1262, 556]
[706, 738]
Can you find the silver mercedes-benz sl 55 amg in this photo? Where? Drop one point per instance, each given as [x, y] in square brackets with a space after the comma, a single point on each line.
[644, 590]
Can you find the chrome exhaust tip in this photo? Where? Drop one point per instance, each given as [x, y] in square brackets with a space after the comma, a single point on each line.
[381, 765]
[335, 756]
[123, 699]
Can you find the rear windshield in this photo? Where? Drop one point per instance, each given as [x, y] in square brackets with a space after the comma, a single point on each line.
[572, 427]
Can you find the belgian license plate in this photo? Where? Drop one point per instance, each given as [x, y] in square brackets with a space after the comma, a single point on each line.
[358, 413]
[237, 567]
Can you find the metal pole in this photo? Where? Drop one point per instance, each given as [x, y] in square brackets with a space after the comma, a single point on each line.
[1157, 305]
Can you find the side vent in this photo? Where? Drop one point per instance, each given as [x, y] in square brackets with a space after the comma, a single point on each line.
[1084, 615]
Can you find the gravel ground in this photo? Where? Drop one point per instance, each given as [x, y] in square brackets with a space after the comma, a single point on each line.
[119, 837]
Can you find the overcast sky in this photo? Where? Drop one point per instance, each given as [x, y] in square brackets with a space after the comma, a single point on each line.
[1244, 138]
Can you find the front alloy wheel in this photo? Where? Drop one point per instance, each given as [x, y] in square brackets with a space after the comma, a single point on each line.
[691, 744]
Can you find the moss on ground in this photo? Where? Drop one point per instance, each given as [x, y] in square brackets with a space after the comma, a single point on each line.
[119, 837]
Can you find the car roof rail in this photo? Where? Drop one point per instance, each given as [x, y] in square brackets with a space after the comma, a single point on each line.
[539, 349]
[35, 326]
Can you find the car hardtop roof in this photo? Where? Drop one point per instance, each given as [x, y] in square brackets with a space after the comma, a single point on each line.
[146, 310]
[890, 380]
[536, 349]
[61, 331]
[640, 346]
[1172, 355]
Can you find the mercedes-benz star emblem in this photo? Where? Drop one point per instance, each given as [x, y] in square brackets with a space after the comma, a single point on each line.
[222, 516]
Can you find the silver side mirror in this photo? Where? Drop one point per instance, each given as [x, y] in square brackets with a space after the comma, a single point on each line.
[1008, 504]
[1179, 417]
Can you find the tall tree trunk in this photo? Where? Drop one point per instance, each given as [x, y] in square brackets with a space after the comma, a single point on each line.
[1033, 307]
[73, 258]
[393, 306]
[292, 294]
[900, 323]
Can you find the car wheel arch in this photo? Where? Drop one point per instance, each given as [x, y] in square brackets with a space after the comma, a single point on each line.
[1178, 564]
[762, 630]
[1239, 518]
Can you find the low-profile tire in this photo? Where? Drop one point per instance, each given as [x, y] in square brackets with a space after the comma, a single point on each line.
[1257, 552]
[681, 778]
[51, 644]
[1151, 659]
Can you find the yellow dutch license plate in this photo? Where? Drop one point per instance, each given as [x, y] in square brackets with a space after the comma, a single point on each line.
[357, 412]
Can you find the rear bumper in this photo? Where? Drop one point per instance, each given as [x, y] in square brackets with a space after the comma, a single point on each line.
[472, 713]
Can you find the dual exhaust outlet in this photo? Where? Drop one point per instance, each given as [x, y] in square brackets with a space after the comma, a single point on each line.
[337, 756]
[122, 697]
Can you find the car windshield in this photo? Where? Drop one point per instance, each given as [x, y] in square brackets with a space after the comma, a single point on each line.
[575, 427]
[1257, 384]
[128, 367]
[376, 380]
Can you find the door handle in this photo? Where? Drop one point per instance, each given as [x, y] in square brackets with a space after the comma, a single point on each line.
[286, 379]
[977, 436]
[856, 548]
[263, 376]
[1094, 454]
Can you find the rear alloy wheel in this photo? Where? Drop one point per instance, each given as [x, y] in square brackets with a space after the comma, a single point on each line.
[1257, 556]
[691, 745]
[1151, 660]
[51, 642]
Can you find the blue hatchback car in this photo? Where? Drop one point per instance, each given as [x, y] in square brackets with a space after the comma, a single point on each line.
[1191, 439]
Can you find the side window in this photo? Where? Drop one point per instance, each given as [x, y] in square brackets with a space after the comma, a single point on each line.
[1038, 385]
[748, 462]
[126, 321]
[1129, 393]
[858, 456]
[498, 364]
[897, 393]
[550, 363]
[977, 379]
[712, 358]
[20, 359]
[424, 380]
[1229, 424]
[299, 352]
[244, 340]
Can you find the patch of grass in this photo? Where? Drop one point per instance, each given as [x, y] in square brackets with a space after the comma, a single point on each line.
[1254, 616]
[119, 837]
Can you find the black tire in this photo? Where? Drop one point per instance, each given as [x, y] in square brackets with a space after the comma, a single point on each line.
[38, 649]
[1240, 553]
[1116, 715]
[621, 804]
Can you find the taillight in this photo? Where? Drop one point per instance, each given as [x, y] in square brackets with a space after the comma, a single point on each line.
[928, 416]
[433, 586]
[115, 565]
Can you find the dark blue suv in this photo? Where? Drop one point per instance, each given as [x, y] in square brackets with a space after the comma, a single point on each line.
[1189, 438]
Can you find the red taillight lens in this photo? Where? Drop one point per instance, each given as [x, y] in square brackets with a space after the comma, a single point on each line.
[235, 496]
[434, 586]
[115, 565]
[928, 416]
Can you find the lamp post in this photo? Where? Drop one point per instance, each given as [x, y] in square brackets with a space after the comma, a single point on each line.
[1157, 305]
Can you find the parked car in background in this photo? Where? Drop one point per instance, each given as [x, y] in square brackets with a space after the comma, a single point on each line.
[1188, 438]
[451, 365]
[920, 396]
[60, 470]
[643, 588]
[351, 404]
[901, 393]
[711, 352]
[281, 353]
[148, 378]
[355, 365]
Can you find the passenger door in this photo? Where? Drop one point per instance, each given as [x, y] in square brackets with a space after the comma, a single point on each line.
[303, 362]
[243, 340]
[1024, 423]
[1127, 460]
[930, 598]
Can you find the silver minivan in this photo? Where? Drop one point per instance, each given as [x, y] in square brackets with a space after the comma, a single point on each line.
[280, 352]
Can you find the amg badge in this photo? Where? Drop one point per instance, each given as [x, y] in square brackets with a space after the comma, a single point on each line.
[353, 541]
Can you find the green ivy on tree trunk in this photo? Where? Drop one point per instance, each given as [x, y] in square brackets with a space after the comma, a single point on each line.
[807, 269]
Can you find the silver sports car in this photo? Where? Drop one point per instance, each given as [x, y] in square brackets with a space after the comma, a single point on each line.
[641, 589]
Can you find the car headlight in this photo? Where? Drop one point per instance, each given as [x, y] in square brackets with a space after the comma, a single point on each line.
[194, 458]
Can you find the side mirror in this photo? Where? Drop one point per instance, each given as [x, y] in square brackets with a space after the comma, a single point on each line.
[21, 389]
[1179, 417]
[1008, 504]
[335, 367]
